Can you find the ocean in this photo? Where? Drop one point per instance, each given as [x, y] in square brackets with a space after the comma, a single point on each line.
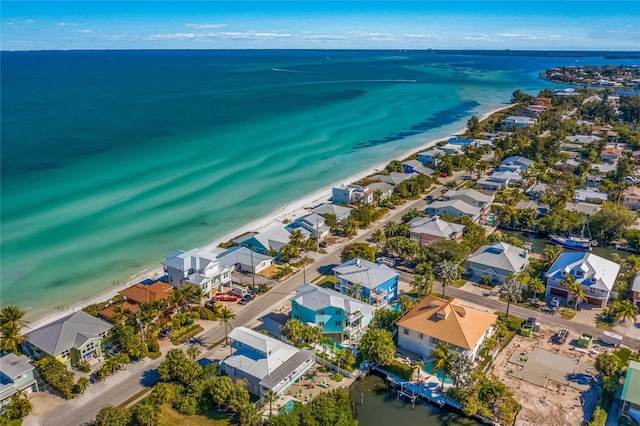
[112, 159]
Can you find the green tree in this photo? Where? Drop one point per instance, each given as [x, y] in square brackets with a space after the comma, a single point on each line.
[270, 397]
[19, 406]
[193, 352]
[550, 254]
[608, 364]
[10, 339]
[611, 222]
[293, 331]
[460, 369]
[511, 291]
[358, 250]
[447, 272]
[377, 346]
[56, 374]
[625, 309]
[386, 319]
[249, 415]
[536, 286]
[177, 367]
[519, 96]
[442, 358]
[225, 316]
[113, 416]
[145, 414]
[83, 384]
[578, 292]
[12, 315]
[473, 125]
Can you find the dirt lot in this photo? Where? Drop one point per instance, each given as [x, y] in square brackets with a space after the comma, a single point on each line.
[551, 403]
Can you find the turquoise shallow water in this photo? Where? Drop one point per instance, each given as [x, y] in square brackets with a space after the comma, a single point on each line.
[112, 159]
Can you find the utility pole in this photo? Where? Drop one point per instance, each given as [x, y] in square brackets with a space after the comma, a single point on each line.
[253, 269]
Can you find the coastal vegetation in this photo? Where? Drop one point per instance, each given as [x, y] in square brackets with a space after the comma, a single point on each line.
[11, 320]
[587, 75]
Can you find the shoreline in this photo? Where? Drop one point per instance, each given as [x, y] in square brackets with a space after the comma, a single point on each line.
[289, 210]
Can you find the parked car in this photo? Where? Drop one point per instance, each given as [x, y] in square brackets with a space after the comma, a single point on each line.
[562, 336]
[323, 244]
[555, 302]
[243, 301]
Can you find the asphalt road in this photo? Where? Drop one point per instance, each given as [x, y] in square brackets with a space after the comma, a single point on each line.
[124, 385]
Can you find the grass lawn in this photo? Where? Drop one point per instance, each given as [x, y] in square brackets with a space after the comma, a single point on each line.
[154, 355]
[567, 313]
[170, 417]
[327, 282]
[604, 325]
[458, 283]
[178, 340]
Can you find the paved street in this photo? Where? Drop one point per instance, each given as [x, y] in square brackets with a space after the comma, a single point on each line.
[125, 384]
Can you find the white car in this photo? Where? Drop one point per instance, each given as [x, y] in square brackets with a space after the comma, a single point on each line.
[555, 302]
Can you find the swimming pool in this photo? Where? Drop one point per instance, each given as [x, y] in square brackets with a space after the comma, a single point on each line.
[428, 368]
[287, 407]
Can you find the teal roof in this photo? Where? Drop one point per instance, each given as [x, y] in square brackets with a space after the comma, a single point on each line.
[631, 390]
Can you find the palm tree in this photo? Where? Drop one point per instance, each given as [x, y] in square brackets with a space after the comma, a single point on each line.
[249, 415]
[11, 338]
[83, 384]
[417, 283]
[448, 272]
[12, 315]
[578, 293]
[482, 167]
[442, 357]
[461, 369]
[270, 397]
[225, 317]
[356, 291]
[511, 291]
[627, 310]
[193, 353]
[419, 366]
[378, 237]
[536, 285]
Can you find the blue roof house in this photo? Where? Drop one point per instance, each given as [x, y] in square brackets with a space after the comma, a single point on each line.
[431, 157]
[377, 283]
[16, 374]
[331, 311]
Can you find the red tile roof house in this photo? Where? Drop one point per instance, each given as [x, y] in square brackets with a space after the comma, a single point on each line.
[610, 155]
[632, 198]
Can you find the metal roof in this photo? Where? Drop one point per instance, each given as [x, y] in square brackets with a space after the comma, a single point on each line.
[12, 365]
[434, 226]
[66, 333]
[316, 298]
[285, 369]
[333, 209]
[631, 389]
[459, 205]
[597, 272]
[500, 255]
[367, 274]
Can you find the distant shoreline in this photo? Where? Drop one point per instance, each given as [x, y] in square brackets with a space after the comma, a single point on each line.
[291, 210]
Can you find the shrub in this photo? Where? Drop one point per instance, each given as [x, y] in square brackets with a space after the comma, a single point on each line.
[84, 367]
[599, 417]
[337, 377]
[152, 344]
[400, 369]
[56, 374]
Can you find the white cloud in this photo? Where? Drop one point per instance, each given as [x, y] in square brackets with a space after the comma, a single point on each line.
[422, 36]
[324, 37]
[64, 24]
[511, 35]
[554, 36]
[202, 26]
[84, 31]
[252, 35]
[171, 36]
[365, 34]
[476, 37]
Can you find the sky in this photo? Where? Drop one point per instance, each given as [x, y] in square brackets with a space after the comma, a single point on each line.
[452, 24]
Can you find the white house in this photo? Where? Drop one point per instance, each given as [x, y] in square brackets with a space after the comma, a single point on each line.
[243, 259]
[352, 194]
[264, 362]
[199, 267]
[519, 122]
[394, 178]
[431, 157]
[272, 238]
[596, 275]
[340, 212]
[437, 320]
[315, 224]
[515, 164]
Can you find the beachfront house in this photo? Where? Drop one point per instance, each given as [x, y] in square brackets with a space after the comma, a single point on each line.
[393, 178]
[375, 283]
[272, 238]
[435, 320]
[519, 122]
[331, 311]
[451, 149]
[340, 212]
[198, 267]
[264, 362]
[472, 197]
[315, 225]
[596, 275]
[455, 208]
[426, 230]
[630, 396]
[386, 189]
[488, 185]
[431, 157]
[245, 260]
[415, 167]
[498, 260]
[352, 194]
[16, 374]
[135, 295]
[77, 337]
[632, 198]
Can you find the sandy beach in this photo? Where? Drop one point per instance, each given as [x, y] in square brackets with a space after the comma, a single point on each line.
[290, 211]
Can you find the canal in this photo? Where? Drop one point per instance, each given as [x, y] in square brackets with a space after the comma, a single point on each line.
[538, 243]
[381, 408]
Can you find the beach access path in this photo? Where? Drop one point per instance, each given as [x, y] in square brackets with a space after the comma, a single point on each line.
[124, 385]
